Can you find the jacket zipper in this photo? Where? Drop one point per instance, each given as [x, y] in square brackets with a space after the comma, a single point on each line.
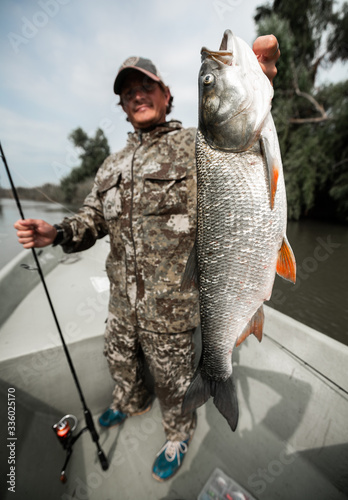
[131, 224]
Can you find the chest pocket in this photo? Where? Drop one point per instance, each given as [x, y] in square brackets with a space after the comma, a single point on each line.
[110, 195]
[165, 191]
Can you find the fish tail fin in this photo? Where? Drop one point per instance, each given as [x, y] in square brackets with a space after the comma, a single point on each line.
[225, 400]
[286, 264]
[224, 394]
[197, 393]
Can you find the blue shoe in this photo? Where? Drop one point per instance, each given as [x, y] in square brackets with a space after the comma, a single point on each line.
[112, 417]
[169, 459]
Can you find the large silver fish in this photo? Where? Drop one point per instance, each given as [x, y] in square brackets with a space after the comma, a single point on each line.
[241, 241]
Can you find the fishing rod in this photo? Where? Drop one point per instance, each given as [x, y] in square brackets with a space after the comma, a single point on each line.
[87, 414]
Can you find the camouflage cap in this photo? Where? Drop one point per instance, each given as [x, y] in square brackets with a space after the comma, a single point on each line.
[136, 63]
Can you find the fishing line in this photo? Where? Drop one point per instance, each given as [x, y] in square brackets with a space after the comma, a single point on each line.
[307, 365]
[86, 411]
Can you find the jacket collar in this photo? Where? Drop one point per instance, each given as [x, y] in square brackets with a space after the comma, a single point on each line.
[153, 132]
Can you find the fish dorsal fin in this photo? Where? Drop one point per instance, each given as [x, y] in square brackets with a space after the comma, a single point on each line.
[254, 326]
[272, 168]
[286, 264]
[190, 277]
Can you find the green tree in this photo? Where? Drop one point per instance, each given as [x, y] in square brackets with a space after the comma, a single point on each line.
[338, 38]
[93, 151]
[334, 139]
[311, 121]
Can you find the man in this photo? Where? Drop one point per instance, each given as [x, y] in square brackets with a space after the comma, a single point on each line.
[144, 198]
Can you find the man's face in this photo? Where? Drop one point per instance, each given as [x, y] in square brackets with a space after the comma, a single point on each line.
[144, 101]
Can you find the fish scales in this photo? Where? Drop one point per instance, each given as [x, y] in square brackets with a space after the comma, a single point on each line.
[233, 230]
[241, 216]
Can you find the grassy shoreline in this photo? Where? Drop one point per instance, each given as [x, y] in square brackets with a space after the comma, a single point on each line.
[50, 193]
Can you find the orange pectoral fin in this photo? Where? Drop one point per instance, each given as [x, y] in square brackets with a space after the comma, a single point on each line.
[274, 174]
[272, 168]
[286, 264]
[254, 326]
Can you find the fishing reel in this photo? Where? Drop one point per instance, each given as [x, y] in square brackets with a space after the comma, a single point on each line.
[64, 431]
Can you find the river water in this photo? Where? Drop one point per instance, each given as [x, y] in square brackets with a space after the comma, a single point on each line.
[319, 299]
[9, 214]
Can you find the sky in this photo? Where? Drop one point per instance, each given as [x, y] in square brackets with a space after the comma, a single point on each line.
[59, 59]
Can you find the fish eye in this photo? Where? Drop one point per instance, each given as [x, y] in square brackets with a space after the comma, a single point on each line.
[208, 79]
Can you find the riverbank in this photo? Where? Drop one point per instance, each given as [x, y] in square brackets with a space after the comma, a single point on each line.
[47, 192]
[51, 193]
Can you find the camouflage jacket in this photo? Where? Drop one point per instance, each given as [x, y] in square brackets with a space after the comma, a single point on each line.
[144, 198]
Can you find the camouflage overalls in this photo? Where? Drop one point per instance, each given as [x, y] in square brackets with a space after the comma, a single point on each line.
[144, 198]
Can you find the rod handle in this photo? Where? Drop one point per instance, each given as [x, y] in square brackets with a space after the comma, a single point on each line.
[103, 460]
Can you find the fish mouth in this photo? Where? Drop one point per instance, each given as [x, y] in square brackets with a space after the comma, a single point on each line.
[225, 54]
[220, 56]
